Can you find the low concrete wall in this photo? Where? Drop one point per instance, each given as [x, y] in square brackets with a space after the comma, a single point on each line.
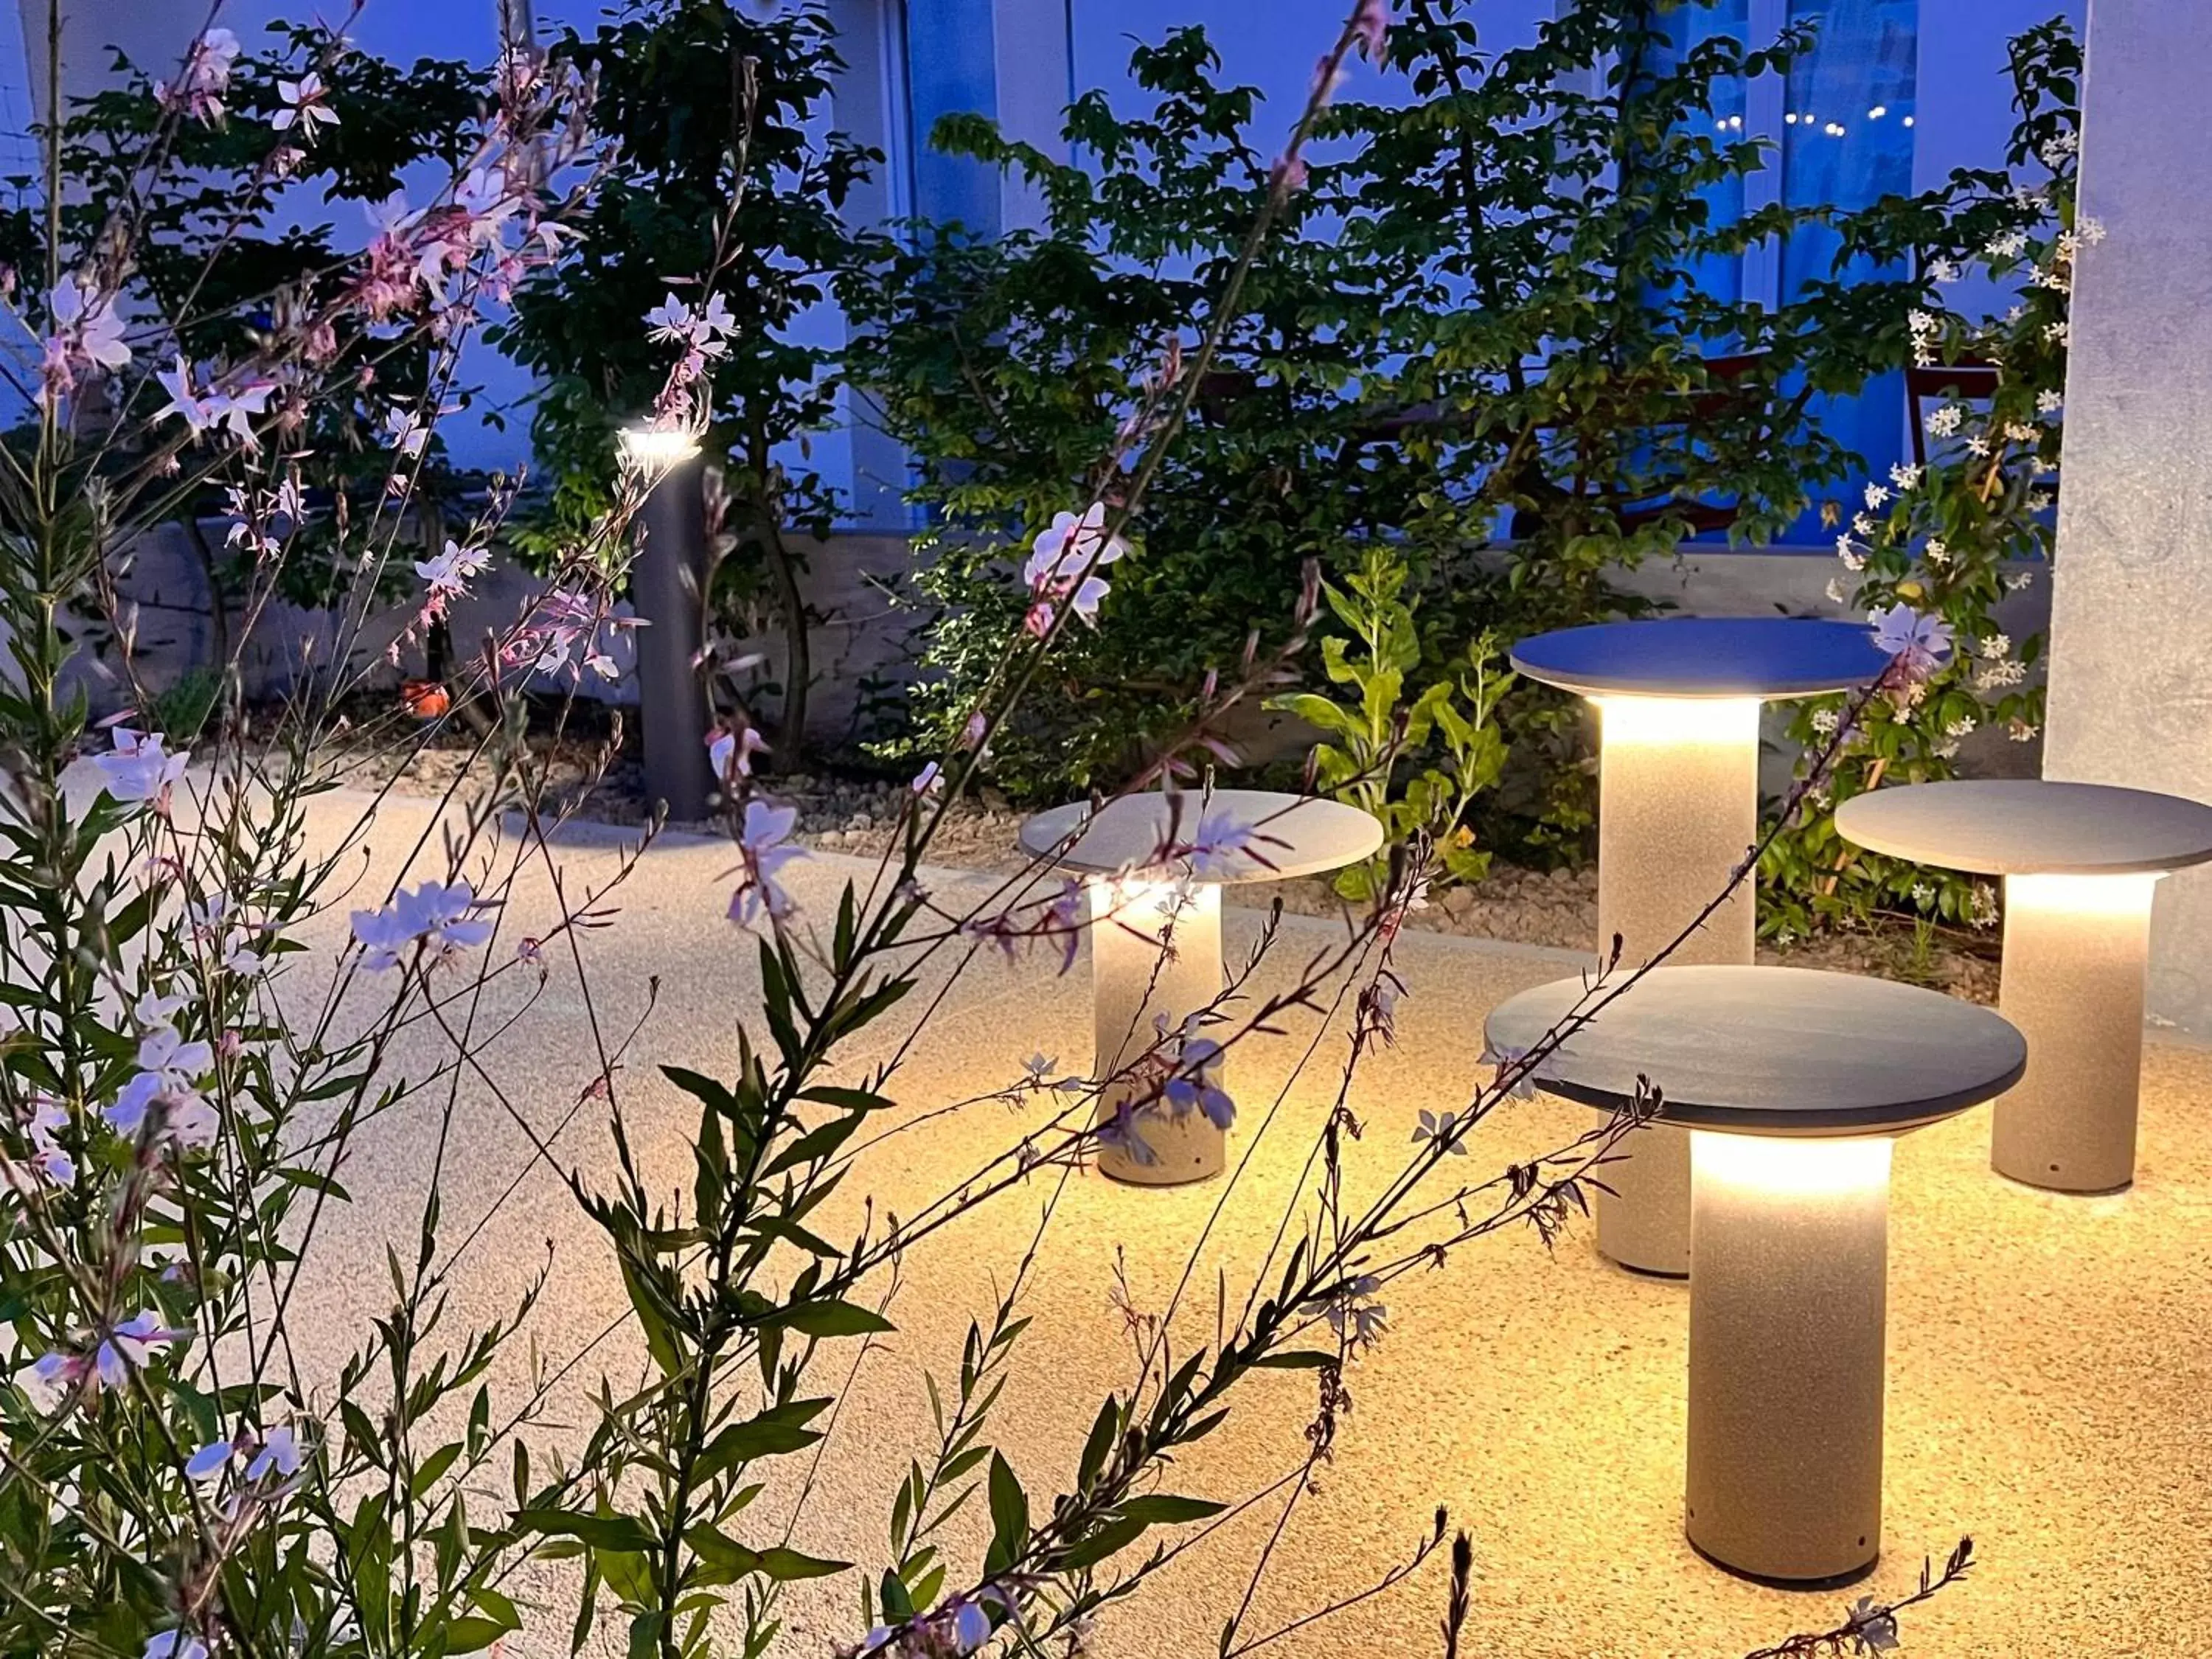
[864, 641]
[861, 641]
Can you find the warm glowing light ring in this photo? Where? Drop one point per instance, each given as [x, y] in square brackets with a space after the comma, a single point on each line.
[2125, 895]
[657, 448]
[1790, 1168]
[1661, 720]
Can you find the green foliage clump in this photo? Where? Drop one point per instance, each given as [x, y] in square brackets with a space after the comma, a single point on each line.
[1365, 739]
[704, 106]
[1952, 538]
[1489, 332]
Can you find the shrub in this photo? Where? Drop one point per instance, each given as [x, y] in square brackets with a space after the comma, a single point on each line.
[1488, 312]
[1955, 536]
[706, 106]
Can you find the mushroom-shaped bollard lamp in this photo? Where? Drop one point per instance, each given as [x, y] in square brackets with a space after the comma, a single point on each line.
[1678, 703]
[1791, 1083]
[2079, 861]
[1155, 932]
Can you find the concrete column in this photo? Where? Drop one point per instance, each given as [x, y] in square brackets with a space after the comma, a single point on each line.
[1788, 1309]
[2074, 949]
[1678, 803]
[2130, 684]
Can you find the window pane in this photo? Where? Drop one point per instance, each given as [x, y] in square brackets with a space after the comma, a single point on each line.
[950, 70]
[1847, 132]
[1719, 276]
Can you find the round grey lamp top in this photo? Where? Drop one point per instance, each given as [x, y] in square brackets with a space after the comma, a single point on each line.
[1705, 657]
[2026, 826]
[1225, 836]
[1771, 1051]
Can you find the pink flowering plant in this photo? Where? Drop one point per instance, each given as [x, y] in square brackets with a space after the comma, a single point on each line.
[220, 992]
[186, 1074]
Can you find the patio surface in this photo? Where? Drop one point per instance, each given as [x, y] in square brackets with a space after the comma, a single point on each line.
[2049, 1363]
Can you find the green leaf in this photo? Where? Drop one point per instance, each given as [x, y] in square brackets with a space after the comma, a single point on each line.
[1160, 1509]
[728, 1561]
[601, 1532]
[1010, 1517]
[829, 1317]
[775, 1432]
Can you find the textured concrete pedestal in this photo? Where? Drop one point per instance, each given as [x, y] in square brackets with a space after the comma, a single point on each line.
[1157, 863]
[1678, 804]
[1787, 1331]
[2130, 681]
[668, 580]
[1678, 704]
[1155, 953]
[2075, 950]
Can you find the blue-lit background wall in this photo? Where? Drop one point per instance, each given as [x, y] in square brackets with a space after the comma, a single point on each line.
[1896, 94]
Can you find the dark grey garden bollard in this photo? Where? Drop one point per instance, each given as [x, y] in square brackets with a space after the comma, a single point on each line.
[668, 583]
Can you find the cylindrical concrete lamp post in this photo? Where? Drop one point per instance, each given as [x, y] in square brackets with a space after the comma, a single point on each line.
[1678, 703]
[1791, 1084]
[2080, 863]
[668, 582]
[1155, 865]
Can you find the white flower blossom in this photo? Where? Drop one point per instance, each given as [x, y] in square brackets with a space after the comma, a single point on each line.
[139, 767]
[434, 915]
[307, 103]
[764, 844]
[448, 572]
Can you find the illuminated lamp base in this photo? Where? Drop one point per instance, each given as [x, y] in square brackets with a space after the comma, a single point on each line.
[1677, 809]
[2074, 952]
[1155, 950]
[1787, 1314]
